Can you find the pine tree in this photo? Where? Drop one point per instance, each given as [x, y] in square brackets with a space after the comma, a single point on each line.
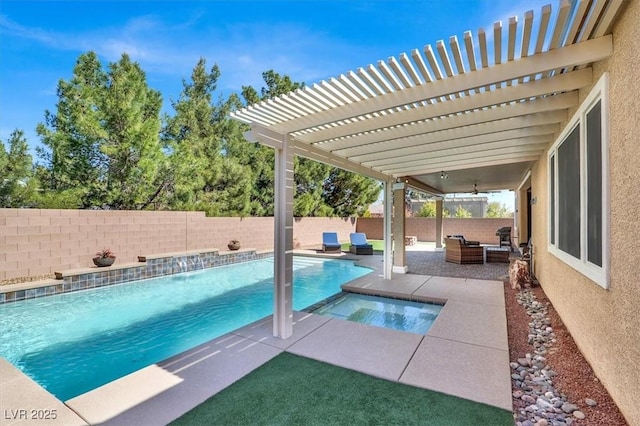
[102, 147]
[201, 175]
[18, 184]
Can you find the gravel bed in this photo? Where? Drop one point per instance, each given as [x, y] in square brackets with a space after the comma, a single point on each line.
[552, 383]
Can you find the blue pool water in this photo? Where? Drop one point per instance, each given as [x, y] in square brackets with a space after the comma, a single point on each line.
[403, 315]
[74, 342]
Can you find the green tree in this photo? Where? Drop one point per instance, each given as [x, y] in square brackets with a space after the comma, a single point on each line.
[428, 209]
[103, 144]
[349, 194]
[495, 209]
[72, 152]
[200, 175]
[310, 177]
[461, 212]
[18, 184]
[230, 194]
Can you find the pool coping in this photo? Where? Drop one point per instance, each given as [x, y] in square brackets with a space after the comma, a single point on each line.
[460, 355]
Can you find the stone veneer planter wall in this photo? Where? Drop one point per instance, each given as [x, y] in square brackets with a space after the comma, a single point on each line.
[148, 267]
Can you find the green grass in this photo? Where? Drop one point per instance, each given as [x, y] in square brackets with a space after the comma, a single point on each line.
[292, 390]
[378, 245]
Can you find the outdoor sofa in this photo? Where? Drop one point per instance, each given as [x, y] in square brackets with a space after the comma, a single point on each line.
[457, 251]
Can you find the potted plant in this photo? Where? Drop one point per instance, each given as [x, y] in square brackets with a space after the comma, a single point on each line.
[234, 245]
[104, 257]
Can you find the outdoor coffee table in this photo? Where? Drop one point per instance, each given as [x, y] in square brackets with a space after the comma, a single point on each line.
[497, 254]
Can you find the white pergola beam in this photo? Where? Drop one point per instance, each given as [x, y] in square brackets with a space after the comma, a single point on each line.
[409, 181]
[533, 143]
[556, 84]
[264, 136]
[382, 157]
[467, 164]
[525, 110]
[475, 130]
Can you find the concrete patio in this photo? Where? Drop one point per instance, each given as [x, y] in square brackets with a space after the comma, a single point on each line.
[465, 354]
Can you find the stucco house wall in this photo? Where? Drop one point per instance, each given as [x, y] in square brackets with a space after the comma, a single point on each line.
[605, 323]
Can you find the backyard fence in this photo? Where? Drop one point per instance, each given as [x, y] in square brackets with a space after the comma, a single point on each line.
[35, 241]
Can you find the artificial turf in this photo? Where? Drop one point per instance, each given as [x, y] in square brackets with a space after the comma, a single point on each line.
[293, 390]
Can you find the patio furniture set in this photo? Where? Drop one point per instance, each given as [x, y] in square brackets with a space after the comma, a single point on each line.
[461, 251]
[458, 249]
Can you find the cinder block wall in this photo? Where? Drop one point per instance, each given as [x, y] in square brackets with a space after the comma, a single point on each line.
[35, 242]
[479, 229]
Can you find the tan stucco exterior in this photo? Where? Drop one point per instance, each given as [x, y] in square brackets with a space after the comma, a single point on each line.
[605, 324]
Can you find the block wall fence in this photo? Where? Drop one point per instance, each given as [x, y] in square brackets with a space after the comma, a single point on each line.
[477, 229]
[36, 242]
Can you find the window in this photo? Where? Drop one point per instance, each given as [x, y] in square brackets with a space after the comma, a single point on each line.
[578, 161]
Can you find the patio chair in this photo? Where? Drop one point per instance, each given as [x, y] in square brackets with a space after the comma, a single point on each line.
[359, 243]
[465, 241]
[457, 252]
[330, 242]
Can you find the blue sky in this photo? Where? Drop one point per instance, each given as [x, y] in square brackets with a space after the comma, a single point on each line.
[307, 40]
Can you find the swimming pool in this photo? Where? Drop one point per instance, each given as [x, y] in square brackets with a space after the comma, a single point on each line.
[74, 342]
[402, 315]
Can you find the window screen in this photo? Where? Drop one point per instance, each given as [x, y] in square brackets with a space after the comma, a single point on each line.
[552, 192]
[569, 194]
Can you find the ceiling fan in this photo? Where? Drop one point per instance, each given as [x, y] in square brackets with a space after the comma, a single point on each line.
[476, 192]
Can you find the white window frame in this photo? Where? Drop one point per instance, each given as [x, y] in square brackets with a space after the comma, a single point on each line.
[599, 274]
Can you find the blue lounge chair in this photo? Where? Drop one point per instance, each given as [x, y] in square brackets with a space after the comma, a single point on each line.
[359, 244]
[330, 243]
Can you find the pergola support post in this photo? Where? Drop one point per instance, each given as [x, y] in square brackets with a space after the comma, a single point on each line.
[283, 240]
[388, 211]
[439, 222]
[399, 254]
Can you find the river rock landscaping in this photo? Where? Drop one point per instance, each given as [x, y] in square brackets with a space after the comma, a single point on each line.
[551, 381]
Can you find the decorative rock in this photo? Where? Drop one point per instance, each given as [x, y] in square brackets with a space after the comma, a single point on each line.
[578, 415]
[545, 406]
[590, 402]
[569, 408]
[525, 362]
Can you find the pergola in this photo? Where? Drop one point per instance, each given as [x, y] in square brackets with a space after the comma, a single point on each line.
[482, 112]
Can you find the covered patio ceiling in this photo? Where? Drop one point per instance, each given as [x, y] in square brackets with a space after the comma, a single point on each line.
[480, 110]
